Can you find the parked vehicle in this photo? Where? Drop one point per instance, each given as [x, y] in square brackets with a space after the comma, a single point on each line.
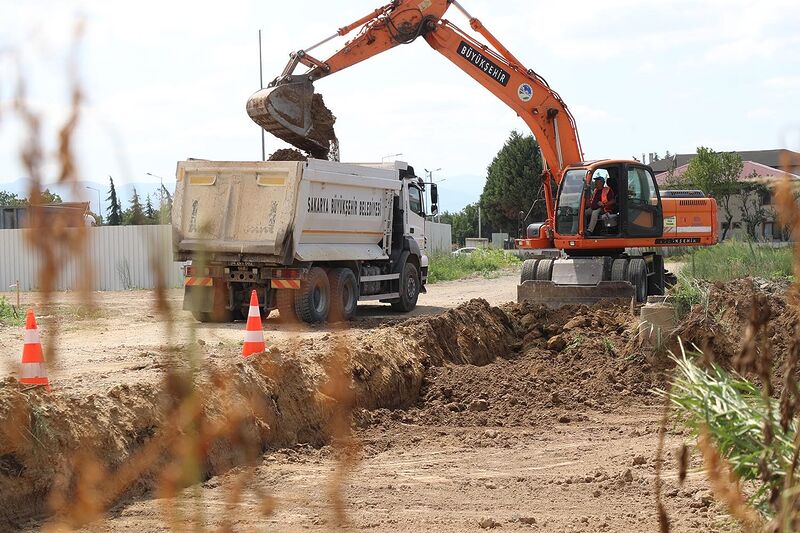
[313, 238]
[464, 251]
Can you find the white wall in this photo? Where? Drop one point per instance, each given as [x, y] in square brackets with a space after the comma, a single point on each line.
[440, 237]
[118, 258]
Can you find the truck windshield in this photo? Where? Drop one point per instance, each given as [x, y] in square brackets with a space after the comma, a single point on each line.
[569, 202]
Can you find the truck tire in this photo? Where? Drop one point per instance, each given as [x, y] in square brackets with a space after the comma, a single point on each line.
[284, 301]
[313, 299]
[544, 270]
[637, 276]
[529, 270]
[409, 289]
[619, 270]
[344, 294]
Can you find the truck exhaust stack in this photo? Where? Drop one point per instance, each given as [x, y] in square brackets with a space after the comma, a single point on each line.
[292, 112]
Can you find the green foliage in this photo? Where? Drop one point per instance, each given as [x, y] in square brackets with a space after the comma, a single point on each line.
[165, 208]
[447, 267]
[114, 217]
[735, 414]
[9, 315]
[686, 293]
[734, 260]
[8, 199]
[513, 184]
[150, 214]
[463, 224]
[47, 197]
[134, 215]
[715, 173]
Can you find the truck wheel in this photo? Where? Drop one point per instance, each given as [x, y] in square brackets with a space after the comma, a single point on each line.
[619, 270]
[409, 289]
[284, 301]
[344, 294]
[637, 276]
[544, 270]
[313, 299]
[529, 270]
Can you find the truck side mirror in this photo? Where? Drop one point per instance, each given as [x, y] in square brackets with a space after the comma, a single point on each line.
[434, 194]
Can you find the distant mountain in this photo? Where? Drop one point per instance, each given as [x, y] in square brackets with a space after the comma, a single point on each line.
[124, 191]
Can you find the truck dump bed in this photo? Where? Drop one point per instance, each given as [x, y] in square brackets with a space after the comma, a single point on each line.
[281, 212]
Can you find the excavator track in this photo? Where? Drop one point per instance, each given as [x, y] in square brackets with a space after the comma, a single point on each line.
[293, 113]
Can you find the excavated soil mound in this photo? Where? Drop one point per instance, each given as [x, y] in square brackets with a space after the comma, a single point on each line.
[719, 328]
[568, 361]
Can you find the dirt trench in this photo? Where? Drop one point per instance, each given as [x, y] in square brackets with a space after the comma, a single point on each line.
[269, 401]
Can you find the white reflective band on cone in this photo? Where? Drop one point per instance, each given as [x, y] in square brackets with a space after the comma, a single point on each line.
[31, 336]
[253, 336]
[33, 370]
[253, 311]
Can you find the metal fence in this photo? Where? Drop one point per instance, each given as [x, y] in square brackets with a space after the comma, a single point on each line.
[121, 257]
[440, 237]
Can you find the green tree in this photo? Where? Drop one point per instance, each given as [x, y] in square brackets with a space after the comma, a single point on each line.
[150, 213]
[463, 224]
[134, 215]
[513, 184]
[47, 197]
[8, 199]
[114, 217]
[717, 175]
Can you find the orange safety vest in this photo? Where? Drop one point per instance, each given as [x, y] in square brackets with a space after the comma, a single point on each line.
[604, 199]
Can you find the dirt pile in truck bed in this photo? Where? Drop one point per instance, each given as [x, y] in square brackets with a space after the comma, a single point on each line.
[287, 154]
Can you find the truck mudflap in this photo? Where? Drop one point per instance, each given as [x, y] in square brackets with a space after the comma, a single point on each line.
[554, 296]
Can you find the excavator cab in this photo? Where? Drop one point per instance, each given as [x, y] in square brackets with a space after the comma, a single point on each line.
[637, 211]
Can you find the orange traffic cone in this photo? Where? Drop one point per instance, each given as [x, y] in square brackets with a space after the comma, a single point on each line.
[253, 334]
[34, 371]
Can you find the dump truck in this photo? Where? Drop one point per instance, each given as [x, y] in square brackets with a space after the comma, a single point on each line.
[312, 238]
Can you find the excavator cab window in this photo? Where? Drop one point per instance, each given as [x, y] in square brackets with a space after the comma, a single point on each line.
[568, 212]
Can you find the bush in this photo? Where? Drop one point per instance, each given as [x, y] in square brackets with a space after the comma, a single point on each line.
[9, 315]
[447, 267]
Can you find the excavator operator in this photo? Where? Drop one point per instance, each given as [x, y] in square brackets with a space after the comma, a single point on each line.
[601, 204]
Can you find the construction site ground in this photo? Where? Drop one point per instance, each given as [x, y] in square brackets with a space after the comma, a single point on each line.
[486, 415]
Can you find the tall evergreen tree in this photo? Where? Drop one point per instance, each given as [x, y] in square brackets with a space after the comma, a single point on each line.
[150, 213]
[166, 206]
[513, 184]
[114, 217]
[134, 216]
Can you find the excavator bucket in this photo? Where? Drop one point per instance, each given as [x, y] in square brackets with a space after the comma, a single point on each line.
[292, 112]
[554, 296]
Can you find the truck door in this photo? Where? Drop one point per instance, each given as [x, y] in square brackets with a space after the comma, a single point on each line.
[644, 216]
[415, 213]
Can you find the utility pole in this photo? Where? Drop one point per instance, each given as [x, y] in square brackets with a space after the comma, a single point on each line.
[479, 221]
[261, 82]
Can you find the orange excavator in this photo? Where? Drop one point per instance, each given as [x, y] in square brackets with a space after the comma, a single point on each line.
[585, 250]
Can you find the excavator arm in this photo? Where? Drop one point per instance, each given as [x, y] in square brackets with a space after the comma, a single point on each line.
[289, 109]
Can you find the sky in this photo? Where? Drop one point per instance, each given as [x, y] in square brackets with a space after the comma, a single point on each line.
[164, 81]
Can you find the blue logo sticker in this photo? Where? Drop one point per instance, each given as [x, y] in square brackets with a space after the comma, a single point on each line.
[525, 92]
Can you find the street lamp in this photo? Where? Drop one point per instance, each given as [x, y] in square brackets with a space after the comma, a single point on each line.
[430, 178]
[99, 205]
[384, 158]
[161, 190]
